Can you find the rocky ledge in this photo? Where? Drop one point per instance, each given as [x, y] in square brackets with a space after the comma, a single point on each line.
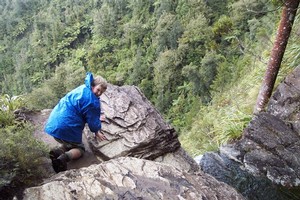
[265, 162]
[131, 178]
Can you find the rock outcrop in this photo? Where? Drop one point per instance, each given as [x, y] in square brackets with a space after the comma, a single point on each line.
[271, 148]
[268, 154]
[131, 178]
[133, 126]
[142, 158]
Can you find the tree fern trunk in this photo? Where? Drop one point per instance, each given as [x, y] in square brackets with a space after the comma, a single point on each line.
[287, 19]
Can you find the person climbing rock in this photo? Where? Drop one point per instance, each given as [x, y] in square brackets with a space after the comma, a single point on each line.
[68, 118]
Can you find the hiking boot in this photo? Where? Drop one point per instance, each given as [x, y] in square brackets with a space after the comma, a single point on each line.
[60, 164]
[55, 153]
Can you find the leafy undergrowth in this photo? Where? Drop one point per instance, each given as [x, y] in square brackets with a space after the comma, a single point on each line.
[22, 156]
[21, 159]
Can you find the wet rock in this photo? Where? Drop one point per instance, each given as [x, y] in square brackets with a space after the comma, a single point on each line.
[236, 175]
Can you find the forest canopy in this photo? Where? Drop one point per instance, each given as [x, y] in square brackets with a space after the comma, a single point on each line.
[199, 62]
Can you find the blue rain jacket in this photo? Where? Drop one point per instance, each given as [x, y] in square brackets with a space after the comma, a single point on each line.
[74, 110]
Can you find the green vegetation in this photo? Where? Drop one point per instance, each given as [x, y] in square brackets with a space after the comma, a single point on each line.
[200, 62]
[21, 154]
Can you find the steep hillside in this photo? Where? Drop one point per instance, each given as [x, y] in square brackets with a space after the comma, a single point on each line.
[199, 62]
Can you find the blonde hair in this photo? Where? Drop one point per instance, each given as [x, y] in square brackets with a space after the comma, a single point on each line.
[99, 80]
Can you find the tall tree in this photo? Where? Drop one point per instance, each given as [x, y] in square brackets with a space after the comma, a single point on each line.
[286, 23]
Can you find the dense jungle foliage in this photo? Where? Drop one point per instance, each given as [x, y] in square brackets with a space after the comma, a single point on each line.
[201, 63]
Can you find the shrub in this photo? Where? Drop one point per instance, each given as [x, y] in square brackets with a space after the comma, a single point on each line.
[21, 153]
[20, 157]
[41, 98]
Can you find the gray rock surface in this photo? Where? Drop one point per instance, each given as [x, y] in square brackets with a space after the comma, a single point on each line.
[285, 101]
[267, 157]
[233, 173]
[131, 178]
[271, 148]
[133, 126]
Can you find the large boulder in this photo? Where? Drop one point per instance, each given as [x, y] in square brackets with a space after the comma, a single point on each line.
[133, 126]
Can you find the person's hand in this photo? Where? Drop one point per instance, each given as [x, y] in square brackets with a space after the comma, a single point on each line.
[100, 136]
[102, 118]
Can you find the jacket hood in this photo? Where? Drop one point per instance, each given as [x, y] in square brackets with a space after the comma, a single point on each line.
[88, 80]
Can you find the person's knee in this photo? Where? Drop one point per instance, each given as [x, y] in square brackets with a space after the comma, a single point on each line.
[75, 153]
[81, 151]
